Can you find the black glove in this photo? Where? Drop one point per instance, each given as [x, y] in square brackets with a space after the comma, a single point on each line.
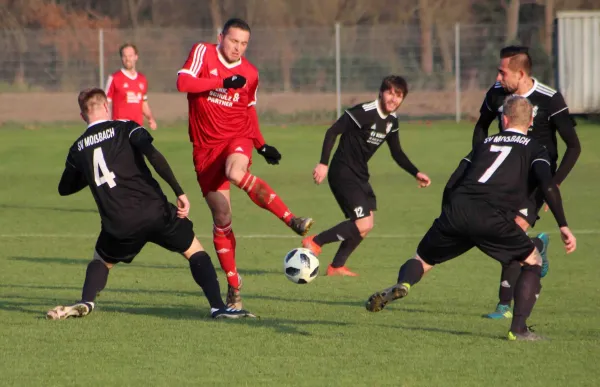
[234, 82]
[270, 153]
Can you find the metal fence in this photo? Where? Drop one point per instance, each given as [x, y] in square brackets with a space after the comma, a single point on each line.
[337, 60]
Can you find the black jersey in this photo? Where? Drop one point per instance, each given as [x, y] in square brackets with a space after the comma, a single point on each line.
[367, 129]
[549, 112]
[500, 169]
[108, 157]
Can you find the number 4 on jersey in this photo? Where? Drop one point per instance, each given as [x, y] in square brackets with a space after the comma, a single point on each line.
[504, 151]
[101, 168]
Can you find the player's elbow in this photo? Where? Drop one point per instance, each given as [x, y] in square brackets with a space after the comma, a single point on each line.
[181, 83]
[575, 147]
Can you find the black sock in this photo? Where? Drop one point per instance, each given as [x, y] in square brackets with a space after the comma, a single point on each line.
[527, 287]
[508, 282]
[96, 277]
[411, 272]
[538, 243]
[343, 231]
[205, 276]
[346, 248]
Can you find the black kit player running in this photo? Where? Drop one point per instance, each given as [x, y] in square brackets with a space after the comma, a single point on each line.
[363, 129]
[109, 158]
[478, 209]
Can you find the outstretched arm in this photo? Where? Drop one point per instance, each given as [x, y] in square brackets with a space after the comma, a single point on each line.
[565, 126]
[543, 174]
[161, 166]
[393, 141]
[344, 123]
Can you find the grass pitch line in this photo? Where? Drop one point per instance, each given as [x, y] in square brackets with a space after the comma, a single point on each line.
[261, 236]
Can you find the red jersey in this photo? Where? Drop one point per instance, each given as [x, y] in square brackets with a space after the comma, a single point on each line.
[127, 95]
[219, 115]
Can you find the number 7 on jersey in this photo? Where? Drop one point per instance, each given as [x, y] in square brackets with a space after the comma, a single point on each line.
[504, 151]
[100, 167]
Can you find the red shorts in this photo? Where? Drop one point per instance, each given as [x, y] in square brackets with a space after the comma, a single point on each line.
[210, 163]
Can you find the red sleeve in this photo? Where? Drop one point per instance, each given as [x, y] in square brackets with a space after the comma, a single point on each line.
[187, 79]
[195, 60]
[110, 88]
[259, 140]
[145, 92]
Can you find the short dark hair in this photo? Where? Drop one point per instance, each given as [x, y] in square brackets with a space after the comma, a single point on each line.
[518, 110]
[125, 45]
[89, 97]
[519, 58]
[395, 82]
[235, 23]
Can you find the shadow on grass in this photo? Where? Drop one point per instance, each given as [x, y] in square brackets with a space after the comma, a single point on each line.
[404, 307]
[42, 208]
[38, 306]
[135, 264]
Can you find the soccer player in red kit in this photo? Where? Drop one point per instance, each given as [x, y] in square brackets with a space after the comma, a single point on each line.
[127, 90]
[221, 86]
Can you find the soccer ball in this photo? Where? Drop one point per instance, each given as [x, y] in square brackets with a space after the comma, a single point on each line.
[301, 266]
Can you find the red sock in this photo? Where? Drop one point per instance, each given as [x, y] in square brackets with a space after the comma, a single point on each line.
[264, 197]
[224, 242]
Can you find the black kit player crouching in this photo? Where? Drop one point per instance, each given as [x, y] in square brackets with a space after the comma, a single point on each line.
[363, 128]
[109, 158]
[551, 119]
[478, 209]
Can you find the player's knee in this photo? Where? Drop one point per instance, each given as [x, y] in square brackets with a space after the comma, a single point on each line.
[97, 257]
[522, 223]
[221, 218]
[534, 259]
[365, 225]
[425, 265]
[235, 174]
[195, 247]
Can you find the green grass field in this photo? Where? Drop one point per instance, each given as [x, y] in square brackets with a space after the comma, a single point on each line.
[151, 327]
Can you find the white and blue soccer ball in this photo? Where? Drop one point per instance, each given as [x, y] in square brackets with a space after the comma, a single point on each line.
[301, 266]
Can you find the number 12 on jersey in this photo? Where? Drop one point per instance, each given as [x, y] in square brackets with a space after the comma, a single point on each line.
[504, 151]
[100, 168]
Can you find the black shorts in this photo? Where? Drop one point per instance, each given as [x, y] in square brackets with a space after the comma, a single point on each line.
[168, 231]
[354, 195]
[467, 224]
[530, 209]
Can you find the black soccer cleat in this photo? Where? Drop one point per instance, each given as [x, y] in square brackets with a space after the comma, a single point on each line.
[231, 313]
[379, 300]
[300, 225]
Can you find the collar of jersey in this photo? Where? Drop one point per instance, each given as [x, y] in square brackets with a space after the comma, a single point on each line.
[514, 131]
[381, 114]
[96, 123]
[225, 63]
[129, 76]
[535, 84]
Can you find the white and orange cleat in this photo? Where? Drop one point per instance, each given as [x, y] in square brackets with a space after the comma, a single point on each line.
[309, 243]
[340, 271]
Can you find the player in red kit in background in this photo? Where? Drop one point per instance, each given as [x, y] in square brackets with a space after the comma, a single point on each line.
[127, 90]
[221, 86]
